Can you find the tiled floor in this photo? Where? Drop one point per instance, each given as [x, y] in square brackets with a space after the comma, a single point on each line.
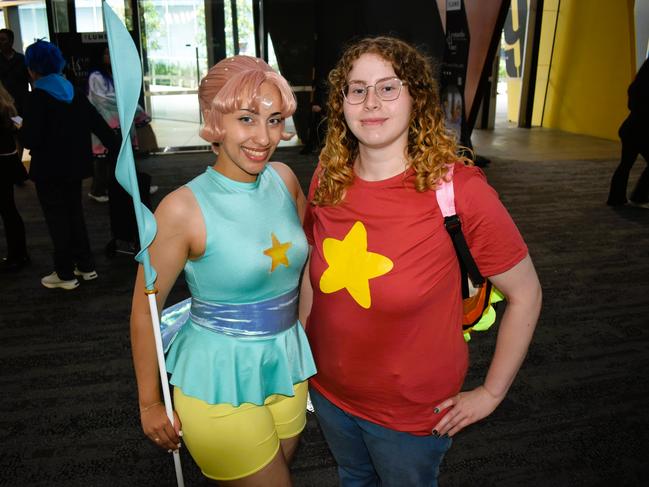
[540, 144]
[575, 416]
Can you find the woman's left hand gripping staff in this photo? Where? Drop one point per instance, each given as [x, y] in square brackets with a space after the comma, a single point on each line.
[522, 290]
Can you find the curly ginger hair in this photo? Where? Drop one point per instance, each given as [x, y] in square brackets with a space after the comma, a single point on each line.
[429, 149]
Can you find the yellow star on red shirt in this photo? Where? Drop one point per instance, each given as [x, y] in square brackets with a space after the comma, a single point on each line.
[277, 252]
[351, 266]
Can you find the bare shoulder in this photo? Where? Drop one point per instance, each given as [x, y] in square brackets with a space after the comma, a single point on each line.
[177, 206]
[287, 175]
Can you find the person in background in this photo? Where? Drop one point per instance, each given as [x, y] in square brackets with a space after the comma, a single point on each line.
[57, 124]
[240, 362]
[12, 171]
[101, 93]
[634, 134]
[382, 289]
[13, 72]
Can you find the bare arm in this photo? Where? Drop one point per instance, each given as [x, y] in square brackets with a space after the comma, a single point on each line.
[522, 289]
[306, 293]
[174, 244]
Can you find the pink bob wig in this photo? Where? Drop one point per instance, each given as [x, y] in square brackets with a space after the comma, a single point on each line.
[233, 83]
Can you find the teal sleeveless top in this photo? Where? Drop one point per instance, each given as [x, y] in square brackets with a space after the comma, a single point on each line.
[255, 251]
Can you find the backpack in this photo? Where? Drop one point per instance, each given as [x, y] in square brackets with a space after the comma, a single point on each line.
[478, 294]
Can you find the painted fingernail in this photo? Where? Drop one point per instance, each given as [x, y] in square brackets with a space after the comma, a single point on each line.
[435, 433]
[179, 445]
[436, 410]
[168, 451]
[180, 433]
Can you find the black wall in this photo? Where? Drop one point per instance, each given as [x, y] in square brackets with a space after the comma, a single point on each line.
[310, 35]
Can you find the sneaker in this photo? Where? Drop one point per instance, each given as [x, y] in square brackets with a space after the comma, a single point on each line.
[639, 205]
[153, 189]
[87, 276]
[98, 199]
[53, 281]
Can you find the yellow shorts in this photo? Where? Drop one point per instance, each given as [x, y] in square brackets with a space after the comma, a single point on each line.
[229, 442]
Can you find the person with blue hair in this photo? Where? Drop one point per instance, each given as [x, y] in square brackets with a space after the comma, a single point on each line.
[57, 124]
[44, 58]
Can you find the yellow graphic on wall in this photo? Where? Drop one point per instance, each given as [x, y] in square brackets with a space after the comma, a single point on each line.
[351, 266]
[277, 252]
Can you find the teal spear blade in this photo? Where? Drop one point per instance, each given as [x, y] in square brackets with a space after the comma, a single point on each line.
[127, 77]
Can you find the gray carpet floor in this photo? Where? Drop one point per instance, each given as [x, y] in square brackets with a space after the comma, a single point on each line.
[577, 415]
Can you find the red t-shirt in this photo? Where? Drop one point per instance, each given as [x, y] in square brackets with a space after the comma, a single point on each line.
[385, 326]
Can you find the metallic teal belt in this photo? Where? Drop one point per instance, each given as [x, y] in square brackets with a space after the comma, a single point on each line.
[243, 320]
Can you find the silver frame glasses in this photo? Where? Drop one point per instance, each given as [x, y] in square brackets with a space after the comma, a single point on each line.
[367, 89]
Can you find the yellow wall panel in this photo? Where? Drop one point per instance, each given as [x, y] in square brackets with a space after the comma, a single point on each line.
[513, 98]
[551, 5]
[539, 96]
[550, 13]
[592, 66]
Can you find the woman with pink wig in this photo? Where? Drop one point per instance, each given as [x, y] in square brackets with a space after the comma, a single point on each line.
[236, 352]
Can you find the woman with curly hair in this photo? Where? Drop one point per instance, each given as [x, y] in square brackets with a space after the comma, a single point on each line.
[382, 288]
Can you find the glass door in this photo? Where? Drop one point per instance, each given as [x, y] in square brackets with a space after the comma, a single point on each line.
[175, 35]
[174, 59]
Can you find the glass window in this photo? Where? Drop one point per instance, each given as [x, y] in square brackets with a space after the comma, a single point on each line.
[174, 60]
[121, 8]
[241, 21]
[60, 16]
[33, 23]
[90, 17]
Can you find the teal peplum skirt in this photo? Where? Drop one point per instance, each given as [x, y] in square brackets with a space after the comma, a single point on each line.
[219, 368]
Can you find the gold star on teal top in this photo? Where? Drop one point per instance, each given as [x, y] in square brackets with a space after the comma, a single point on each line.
[351, 266]
[277, 252]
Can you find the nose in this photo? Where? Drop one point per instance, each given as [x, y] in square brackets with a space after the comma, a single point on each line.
[262, 135]
[371, 100]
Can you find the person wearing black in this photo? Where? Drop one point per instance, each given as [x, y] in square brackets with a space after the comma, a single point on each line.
[11, 171]
[634, 134]
[56, 129]
[13, 72]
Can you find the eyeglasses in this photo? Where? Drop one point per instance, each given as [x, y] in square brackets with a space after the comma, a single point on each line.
[387, 89]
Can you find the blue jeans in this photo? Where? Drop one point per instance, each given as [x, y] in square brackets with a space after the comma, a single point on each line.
[369, 455]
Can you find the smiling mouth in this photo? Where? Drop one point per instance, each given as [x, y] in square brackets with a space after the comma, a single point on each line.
[372, 121]
[257, 155]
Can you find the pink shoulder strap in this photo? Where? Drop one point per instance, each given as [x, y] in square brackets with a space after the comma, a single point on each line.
[445, 194]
